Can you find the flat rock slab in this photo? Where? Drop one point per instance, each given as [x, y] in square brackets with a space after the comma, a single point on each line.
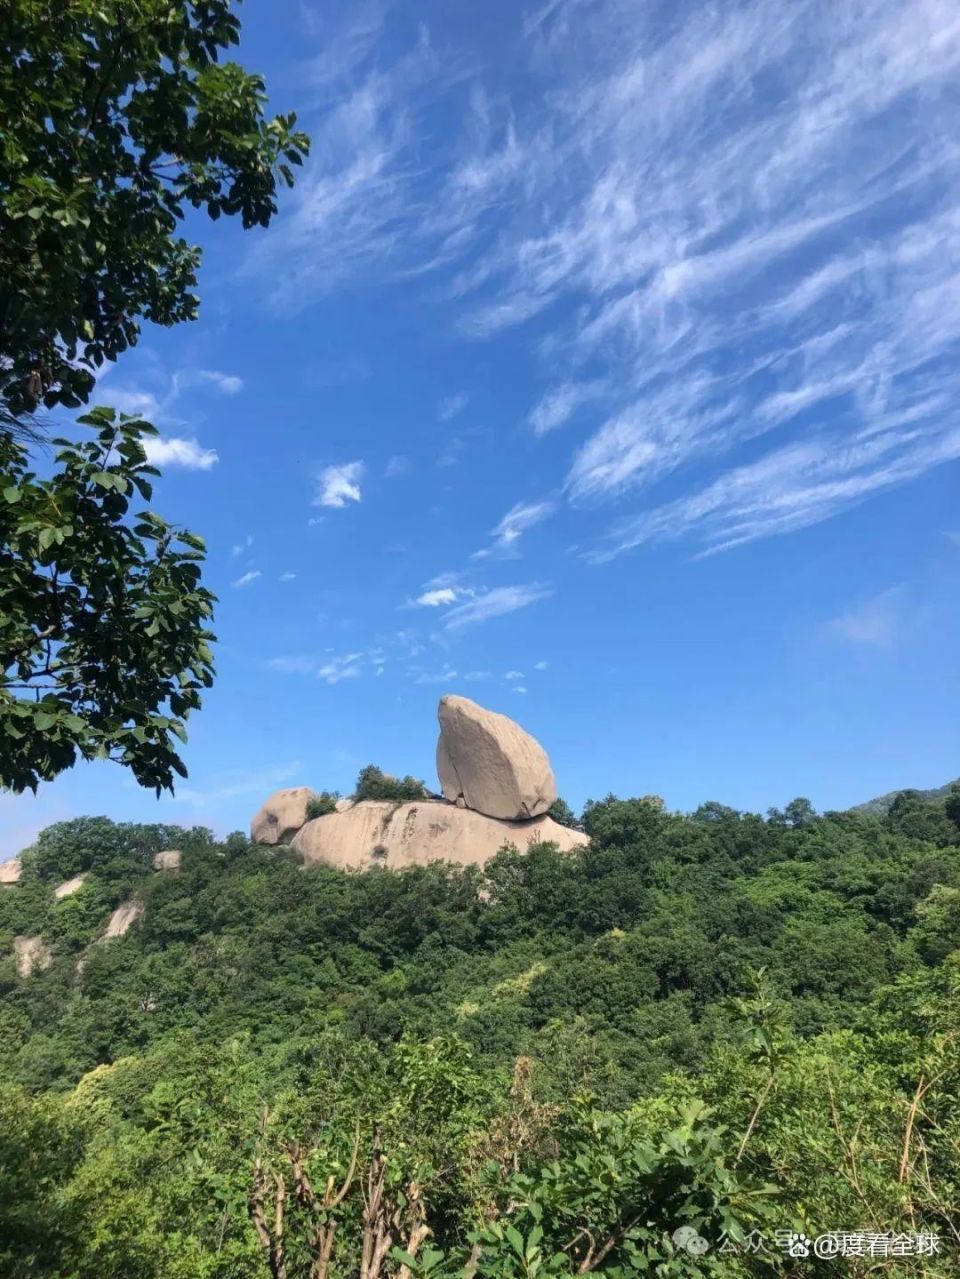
[491, 762]
[377, 833]
[169, 859]
[68, 887]
[281, 816]
[123, 919]
[32, 954]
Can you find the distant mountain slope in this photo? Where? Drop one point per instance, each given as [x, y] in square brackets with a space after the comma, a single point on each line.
[882, 803]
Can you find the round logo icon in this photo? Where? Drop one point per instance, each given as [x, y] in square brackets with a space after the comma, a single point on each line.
[690, 1240]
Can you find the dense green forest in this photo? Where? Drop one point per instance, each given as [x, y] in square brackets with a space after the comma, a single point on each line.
[661, 1054]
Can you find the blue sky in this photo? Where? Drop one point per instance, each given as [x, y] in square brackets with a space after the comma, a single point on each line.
[602, 367]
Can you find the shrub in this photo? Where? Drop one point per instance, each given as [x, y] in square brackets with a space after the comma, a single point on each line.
[321, 804]
[374, 783]
[562, 813]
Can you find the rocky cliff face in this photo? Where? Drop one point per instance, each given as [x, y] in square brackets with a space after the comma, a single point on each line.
[497, 786]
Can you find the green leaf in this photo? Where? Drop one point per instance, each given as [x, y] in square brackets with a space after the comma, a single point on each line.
[515, 1239]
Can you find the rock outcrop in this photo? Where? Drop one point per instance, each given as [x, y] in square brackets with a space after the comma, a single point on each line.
[497, 787]
[281, 816]
[10, 871]
[380, 833]
[68, 887]
[169, 859]
[32, 954]
[497, 768]
[123, 919]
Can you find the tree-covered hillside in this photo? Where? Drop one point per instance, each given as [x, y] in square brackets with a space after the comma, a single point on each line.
[550, 1064]
[883, 803]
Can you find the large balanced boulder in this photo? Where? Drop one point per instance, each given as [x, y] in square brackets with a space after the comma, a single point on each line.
[489, 762]
[281, 816]
[381, 833]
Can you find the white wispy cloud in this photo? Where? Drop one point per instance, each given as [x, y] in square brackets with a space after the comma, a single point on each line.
[540, 666]
[745, 222]
[287, 577]
[513, 675]
[438, 677]
[560, 404]
[239, 547]
[452, 406]
[516, 522]
[338, 485]
[293, 665]
[333, 667]
[232, 784]
[128, 399]
[396, 465]
[495, 603]
[874, 622]
[436, 598]
[353, 204]
[349, 666]
[159, 407]
[247, 578]
[789, 489]
[440, 591]
[173, 451]
[228, 383]
[158, 404]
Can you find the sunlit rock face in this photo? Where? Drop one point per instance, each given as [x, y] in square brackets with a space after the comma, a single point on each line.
[379, 833]
[490, 762]
[281, 816]
[497, 787]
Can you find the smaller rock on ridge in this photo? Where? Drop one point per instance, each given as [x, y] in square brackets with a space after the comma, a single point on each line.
[281, 816]
[489, 760]
[10, 871]
[169, 859]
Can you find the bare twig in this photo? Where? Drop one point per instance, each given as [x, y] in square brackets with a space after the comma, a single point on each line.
[753, 1119]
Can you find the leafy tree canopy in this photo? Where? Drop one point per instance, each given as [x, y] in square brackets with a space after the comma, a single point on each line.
[561, 812]
[104, 637]
[117, 117]
[374, 783]
[625, 1060]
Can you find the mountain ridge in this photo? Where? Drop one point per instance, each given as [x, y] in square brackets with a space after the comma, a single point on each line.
[880, 805]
